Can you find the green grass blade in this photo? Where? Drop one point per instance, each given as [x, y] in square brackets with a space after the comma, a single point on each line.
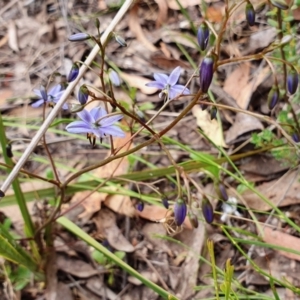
[89, 240]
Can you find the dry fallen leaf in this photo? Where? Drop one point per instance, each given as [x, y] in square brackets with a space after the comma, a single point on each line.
[282, 239]
[210, 127]
[138, 82]
[174, 5]
[243, 123]
[274, 191]
[135, 27]
[118, 203]
[105, 221]
[75, 267]
[239, 77]
[162, 13]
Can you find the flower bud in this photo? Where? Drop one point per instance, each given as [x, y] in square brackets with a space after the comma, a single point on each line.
[120, 41]
[273, 97]
[250, 14]
[213, 113]
[2, 194]
[165, 203]
[97, 23]
[203, 36]
[9, 151]
[180, 211]
[223, 192]
[292, 82]
[83, 94]
[114, 77]
[140, 206]
[295, 137]
[281, 4]
[207, 210]
[73, 72]
[206, 73]
[79, 37]
[194, 220]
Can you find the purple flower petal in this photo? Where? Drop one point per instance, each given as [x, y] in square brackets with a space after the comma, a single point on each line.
[98, 132]
[161, 78]
[110, 120]
[54, 90]
[38, 103]
[177, 90]
[78, 127]
[38, 93]
[97, 113]
[174, 76]
[156, 84]
[85, 116]
[113, 130]
[65, 106]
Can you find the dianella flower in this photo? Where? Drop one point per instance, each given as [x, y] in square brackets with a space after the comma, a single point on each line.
[51, 97]
[73, 72]
[292, 82]
[79, 37]
[180, 211]
[203, 36]
[273, 97]
[206, 73]
[167, 84]
[207, 211]
[250, 14]
[96, 123]
[83, 94]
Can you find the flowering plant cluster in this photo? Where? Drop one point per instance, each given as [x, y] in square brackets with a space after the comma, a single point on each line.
[98, 113]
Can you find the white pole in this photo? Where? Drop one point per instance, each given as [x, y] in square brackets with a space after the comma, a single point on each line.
[63, 98]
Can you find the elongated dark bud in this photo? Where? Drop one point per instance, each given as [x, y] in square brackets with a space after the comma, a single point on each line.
[140, 206]
[83, 94]
[250, 14]
[73, 72]
[180, 211]
[206, 73]
[273, 97]
[292, 82]
[203, 36]
[207, 211]
[9, 152]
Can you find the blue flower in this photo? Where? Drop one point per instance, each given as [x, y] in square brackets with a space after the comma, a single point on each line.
[96, 123]
[51, 97]
[167, 84]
